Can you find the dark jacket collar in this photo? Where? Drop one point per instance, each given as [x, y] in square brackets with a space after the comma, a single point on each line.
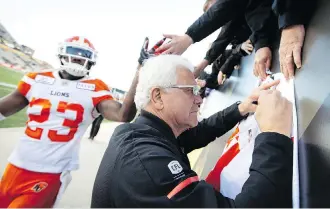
[155, 122]
[163, 128]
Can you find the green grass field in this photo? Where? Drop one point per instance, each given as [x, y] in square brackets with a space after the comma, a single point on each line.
[10, 76]
[16, 120]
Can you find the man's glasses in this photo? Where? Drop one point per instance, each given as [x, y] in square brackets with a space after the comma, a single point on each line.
[195, 88]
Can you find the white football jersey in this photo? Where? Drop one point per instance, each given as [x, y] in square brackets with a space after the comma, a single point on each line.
[59, 113]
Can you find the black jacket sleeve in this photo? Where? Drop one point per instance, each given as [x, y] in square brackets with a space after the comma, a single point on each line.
[219, 45]
[209, 129]
[147, 179]
[258, 13]
[293, 12]
[270, 181]
[219, 14]
[262, 21]
[238, 51]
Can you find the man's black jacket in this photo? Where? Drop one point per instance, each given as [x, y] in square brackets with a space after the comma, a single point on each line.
[294, 12]
[234, 32]
[146, 166]
[258, 13]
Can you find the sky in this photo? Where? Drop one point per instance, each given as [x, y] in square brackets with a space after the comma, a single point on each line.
[116, 28]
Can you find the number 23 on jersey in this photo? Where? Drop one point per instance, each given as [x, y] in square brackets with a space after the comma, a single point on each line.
[44, 116]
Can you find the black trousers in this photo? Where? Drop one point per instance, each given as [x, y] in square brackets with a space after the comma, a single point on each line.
[96, 126]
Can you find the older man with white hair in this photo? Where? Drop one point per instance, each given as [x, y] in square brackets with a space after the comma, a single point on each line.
[146, 163]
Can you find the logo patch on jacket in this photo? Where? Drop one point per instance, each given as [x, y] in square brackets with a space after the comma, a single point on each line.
[175, 167]
[38, 187]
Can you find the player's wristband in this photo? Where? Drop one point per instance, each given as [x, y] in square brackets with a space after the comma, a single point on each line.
[2, 117]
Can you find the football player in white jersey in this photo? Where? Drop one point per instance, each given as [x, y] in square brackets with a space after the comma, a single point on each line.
[61, 105]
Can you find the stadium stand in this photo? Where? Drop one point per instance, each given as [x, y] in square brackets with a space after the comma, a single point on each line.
[16, 56]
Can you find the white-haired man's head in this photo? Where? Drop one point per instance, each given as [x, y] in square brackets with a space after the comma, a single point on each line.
[168, 89]
[158, 71]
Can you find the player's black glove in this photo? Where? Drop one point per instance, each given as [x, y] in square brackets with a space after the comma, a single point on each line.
[145, 53]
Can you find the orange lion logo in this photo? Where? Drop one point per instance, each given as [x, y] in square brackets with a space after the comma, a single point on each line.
[38, 187]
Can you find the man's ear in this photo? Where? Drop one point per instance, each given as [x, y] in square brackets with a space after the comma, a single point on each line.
[156, 98]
